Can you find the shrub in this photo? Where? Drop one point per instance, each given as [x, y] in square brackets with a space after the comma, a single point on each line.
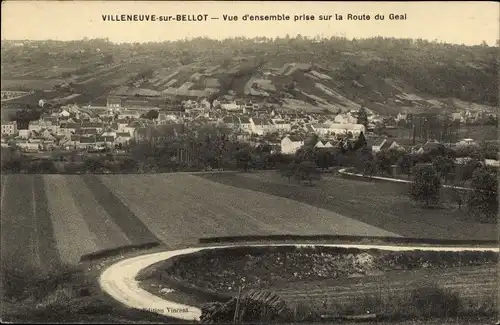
[432, 301]
[483, 200]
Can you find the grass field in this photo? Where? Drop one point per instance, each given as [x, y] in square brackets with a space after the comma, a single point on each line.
[470, 283]
[49, 219]
[385, 205]
[30, 84]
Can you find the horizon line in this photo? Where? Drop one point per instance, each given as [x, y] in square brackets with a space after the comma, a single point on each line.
[305, 37]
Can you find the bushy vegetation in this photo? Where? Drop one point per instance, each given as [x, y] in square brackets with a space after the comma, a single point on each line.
[271, 268]
[425, 187]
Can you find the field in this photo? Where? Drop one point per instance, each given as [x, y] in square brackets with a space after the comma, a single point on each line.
[477, 132]
[327, 280]
[385, 206]
[61, 217]
[51, 221]
[30, 84]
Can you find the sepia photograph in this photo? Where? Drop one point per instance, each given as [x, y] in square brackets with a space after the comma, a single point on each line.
[247, 162]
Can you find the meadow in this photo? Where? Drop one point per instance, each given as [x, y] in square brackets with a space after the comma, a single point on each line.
[49, 222]
[51, 219]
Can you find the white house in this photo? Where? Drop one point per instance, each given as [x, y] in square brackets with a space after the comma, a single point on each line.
[401, 116]
[24, 134]
[319, 145]
[122, 137]
[338, 129]
[346, 118]
[9, 128]
[466, 143]
[114, 102]
[64, 113]
[131, 114]
[230, 106]
[109, 133]
[290, 144]
[321, 129]
[385, 144]
[355, 129]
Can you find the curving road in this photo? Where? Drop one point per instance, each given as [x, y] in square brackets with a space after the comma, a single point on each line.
[119, 281]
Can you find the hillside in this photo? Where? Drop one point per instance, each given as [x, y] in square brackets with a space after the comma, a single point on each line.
[383, 74]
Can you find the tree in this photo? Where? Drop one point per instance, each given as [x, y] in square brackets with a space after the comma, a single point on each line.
[325, 158]
[369, 167]
[405, 164]
[483, 201]
[360, 142]
[243, 159]
[288, 170]
[467, 170]
[152, 114]
[383, 162]
[306, 171]
[306, 153]
[443, 166]
[362, 117]
[425, 186]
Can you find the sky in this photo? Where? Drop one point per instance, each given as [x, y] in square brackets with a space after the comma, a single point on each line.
[457, 22]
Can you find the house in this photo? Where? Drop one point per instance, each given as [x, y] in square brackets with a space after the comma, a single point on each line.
[401, 117]
[245, 124]
[385, 144]
[321, 129]
[230, 122]
[122, 138]
[131, 114]
[9, 128]
[108, 133]
[64, 113]
[37, 125]
[432, 145]
[261, 126]
[338, 129]
[346, 118]
[205, 104]
[456, 116]
[492, 163]
[319, 144]
[69, 128]
[230, 106]
[113, 102]
[418, 149]
[121, 124]
[282, 125]
[24, 134]
[354, 129]
[290, 144]
[466, 143]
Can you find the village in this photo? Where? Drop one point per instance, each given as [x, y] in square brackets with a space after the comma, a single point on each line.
[124, 120]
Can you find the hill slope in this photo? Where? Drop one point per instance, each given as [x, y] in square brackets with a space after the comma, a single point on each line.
[384, 74]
